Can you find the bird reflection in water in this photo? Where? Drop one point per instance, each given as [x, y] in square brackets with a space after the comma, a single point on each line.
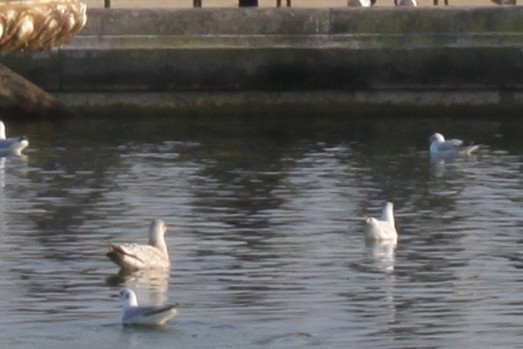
[381, 255]
[151, 284]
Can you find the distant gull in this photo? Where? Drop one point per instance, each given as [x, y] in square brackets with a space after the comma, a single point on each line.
[406, 3]
[134, 314]
[13, 145]
[152, 256]
[382, 229]
[440, 146]
[361, 3]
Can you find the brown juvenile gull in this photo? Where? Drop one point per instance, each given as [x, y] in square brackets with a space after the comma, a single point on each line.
[134, 256]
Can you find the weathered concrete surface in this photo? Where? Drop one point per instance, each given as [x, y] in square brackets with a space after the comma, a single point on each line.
[408, 56]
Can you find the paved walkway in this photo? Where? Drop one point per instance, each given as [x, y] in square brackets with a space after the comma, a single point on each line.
[267, 3]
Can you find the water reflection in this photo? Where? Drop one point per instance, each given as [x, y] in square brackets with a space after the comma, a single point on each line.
[150, 285]
[2, 172]
[382, 255]
[441, 162]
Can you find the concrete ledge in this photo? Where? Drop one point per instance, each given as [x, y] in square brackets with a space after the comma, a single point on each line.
[350, 41]
[224, 21]
[301, 21]
[350, 27]
[385, 51]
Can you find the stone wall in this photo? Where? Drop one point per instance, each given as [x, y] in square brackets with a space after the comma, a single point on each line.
[410, 55]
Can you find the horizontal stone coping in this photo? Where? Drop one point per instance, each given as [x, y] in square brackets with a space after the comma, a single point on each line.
[342, 41]
[302, 21]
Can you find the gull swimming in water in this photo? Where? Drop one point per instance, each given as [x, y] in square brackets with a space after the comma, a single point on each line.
[13, 145]
[152, 256]
[382, 229]
[134, 314]
[440, 146]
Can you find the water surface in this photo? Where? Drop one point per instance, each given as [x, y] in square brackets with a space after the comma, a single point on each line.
[265, 231]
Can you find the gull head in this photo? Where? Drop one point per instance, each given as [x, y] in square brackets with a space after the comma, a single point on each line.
[128, 297]
[437, 137]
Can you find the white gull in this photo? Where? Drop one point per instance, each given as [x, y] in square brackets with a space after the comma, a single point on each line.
[382, 229]
[135, 256]
[134, 314]
[13, 145]
[440, 146]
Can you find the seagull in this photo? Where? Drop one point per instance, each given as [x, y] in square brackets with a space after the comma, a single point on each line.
[134, 314]
[13, 145]
[440, 146]
[382, 229]
[361, 3]
[405, 3]
[134, 256]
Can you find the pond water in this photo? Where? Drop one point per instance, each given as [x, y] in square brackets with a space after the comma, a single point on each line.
[266, 233]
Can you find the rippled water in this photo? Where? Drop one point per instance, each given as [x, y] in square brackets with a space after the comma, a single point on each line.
[266, 233]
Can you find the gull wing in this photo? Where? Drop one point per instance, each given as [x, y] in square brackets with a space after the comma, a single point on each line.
[148, 315]
[135, 256]
[450, 145]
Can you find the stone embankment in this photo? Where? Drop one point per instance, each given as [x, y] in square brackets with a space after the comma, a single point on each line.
[341, 57]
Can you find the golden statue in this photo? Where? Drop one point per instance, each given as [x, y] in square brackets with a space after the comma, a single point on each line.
[39, 24]
[34, 25]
